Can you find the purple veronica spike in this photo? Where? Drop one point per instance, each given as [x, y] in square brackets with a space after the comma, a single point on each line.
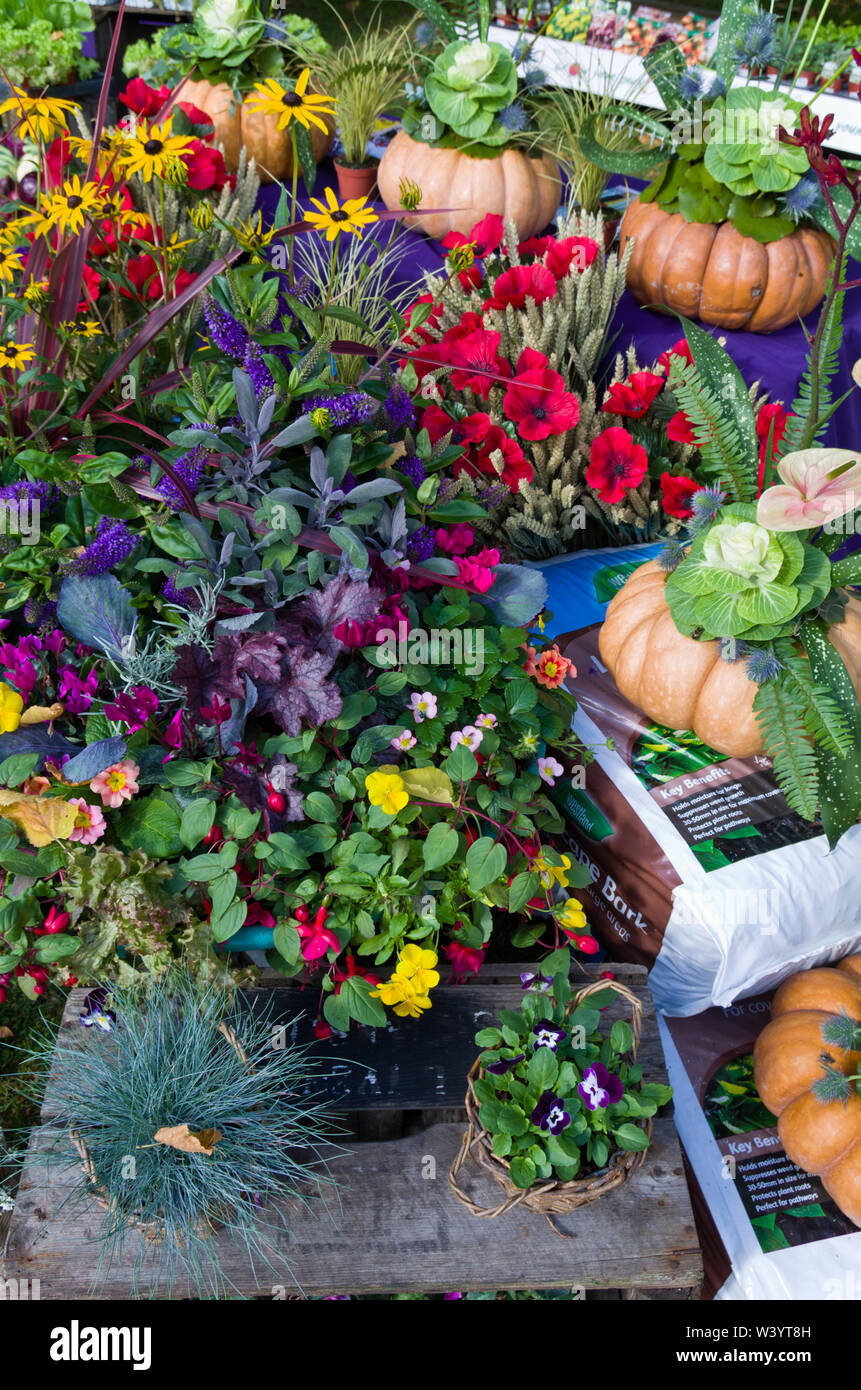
[113, 543]
[549, 1114]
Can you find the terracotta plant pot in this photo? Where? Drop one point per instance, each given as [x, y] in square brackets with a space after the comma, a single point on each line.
[712, 273]
[356, 182]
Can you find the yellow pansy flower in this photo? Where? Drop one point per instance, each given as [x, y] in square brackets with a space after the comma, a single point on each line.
[387, 790]
[413, 1007]
[395, 990]
[416, 964]
[11, 705]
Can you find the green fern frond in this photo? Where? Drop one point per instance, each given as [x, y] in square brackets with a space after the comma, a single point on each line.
[714, 428]
[781, 718]
[810, 416]
[823, 718]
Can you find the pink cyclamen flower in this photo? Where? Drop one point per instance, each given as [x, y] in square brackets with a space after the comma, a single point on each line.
[90, 824]
[117, 784]
[458, 540]
[549, 769]
[133, 707]
[404, 740]
[819, 485]
[468, 735]
[423, 706]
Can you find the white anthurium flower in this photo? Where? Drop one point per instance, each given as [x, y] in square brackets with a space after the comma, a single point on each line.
[818, 486]
[742, 548]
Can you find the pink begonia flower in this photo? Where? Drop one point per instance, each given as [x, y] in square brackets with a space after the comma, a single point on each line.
[89, 824]
[423, 706]
[818, 486]
[549, 769]
[469, 735]
[117, 784]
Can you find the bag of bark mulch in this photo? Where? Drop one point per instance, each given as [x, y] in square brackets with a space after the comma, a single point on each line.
[699, 869]
[784, 1236]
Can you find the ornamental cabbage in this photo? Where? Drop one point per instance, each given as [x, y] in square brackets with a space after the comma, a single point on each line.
[469, 85]
[741, 580]
[743, 151]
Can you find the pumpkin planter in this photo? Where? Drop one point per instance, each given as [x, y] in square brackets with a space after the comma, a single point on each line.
[512, 184]
[683, 684]
[236, 126]
[822, 1137]
[712, 273]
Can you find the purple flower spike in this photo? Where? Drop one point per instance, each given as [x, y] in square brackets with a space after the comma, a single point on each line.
[547, 1036]
[549, 1114]
[600, 1087]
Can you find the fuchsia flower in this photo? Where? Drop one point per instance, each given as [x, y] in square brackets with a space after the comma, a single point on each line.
[818, 486]
[90, 824]
[538, 404]
[317, 939]
[520, 283]
[465, 960]
[617, 464]
[117, 783]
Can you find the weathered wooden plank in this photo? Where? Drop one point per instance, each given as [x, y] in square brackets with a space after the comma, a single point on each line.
[400, 1231]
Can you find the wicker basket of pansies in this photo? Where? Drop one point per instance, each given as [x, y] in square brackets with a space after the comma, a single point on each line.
[558, 1111]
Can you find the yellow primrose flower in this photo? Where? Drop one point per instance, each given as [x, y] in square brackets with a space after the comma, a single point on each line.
[552, 873]
[11, 705]
[388, 790]
[415, 964]
[413, 1007]
[572, 916]
[395, 990]
[332, 219]
[36, 117]
[272, 99]
[16, 355]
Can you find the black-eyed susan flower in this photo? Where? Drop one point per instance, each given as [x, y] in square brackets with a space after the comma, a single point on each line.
[70, 206]
[201, 215]
[36, 293]
[154, 149]
[112, 151]
[36, 117]
[332, 219]
[10, 264]
[271, 99]
[81, 328]
[409, 194]
[16, 355]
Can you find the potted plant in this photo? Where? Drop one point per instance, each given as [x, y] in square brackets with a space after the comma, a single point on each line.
[559, 1112]
[731, 230]
[41, 43]
[464, 142]
[364, 76]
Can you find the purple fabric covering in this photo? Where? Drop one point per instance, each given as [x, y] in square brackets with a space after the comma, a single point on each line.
[88, 46]
[776, 360]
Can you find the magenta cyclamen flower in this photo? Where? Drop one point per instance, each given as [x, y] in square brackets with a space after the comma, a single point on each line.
[600, 1087]
[76, 694]
[549, 1114]
[133, 708]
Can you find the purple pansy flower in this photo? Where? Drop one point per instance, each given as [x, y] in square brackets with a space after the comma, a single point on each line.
[530, 980]
[504, 1064]
[600, 1087]
[549, 1114]
[96, 1014]
[547, 1036]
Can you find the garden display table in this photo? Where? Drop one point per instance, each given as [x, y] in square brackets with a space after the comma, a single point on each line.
[777, 360]
[395, 1226]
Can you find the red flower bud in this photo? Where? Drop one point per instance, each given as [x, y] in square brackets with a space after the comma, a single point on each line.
[276, 802]
[301, 913]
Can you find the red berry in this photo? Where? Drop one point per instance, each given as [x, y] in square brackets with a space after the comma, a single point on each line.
[276, 802]
[38, 989]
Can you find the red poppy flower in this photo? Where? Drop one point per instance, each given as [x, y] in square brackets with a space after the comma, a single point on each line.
[205, 166]
[617, 463]
[680, 429]
[634, 396]
[535, 245]
[475, 362]
[91, 284]
[515, 467]
[768, 415]
[437, 424]
[676, 492]
[473, 428]
[572, 252]
[679, 349]
[487, 234]
[539, 405]
[421, 334]
[529, 360]
[195, 115]
[145, 276]
[143, 99]
[57, 156]
[520, 283]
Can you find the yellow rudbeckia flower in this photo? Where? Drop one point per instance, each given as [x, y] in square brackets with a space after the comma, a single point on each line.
[387, 790]
[11, 705]
[333, 219]
[271, 99]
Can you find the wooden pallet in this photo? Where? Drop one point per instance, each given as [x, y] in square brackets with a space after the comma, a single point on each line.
[400, 1229]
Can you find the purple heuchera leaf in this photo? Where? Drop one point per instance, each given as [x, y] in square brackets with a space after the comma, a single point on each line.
[315, 616]
[302, 693]
[196, 672]
[259, 655]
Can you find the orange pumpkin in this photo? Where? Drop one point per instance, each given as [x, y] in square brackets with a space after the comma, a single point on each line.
[822, 1137]
[713, 273]
[684, 684]
[512, 184]
[236, 126]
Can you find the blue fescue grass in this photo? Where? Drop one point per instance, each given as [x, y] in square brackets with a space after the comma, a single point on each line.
[164, 1064]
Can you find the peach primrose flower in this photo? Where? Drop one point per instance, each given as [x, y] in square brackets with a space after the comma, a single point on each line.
[552, 668]
[819, 485]
[89, 824]
[117, 784]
